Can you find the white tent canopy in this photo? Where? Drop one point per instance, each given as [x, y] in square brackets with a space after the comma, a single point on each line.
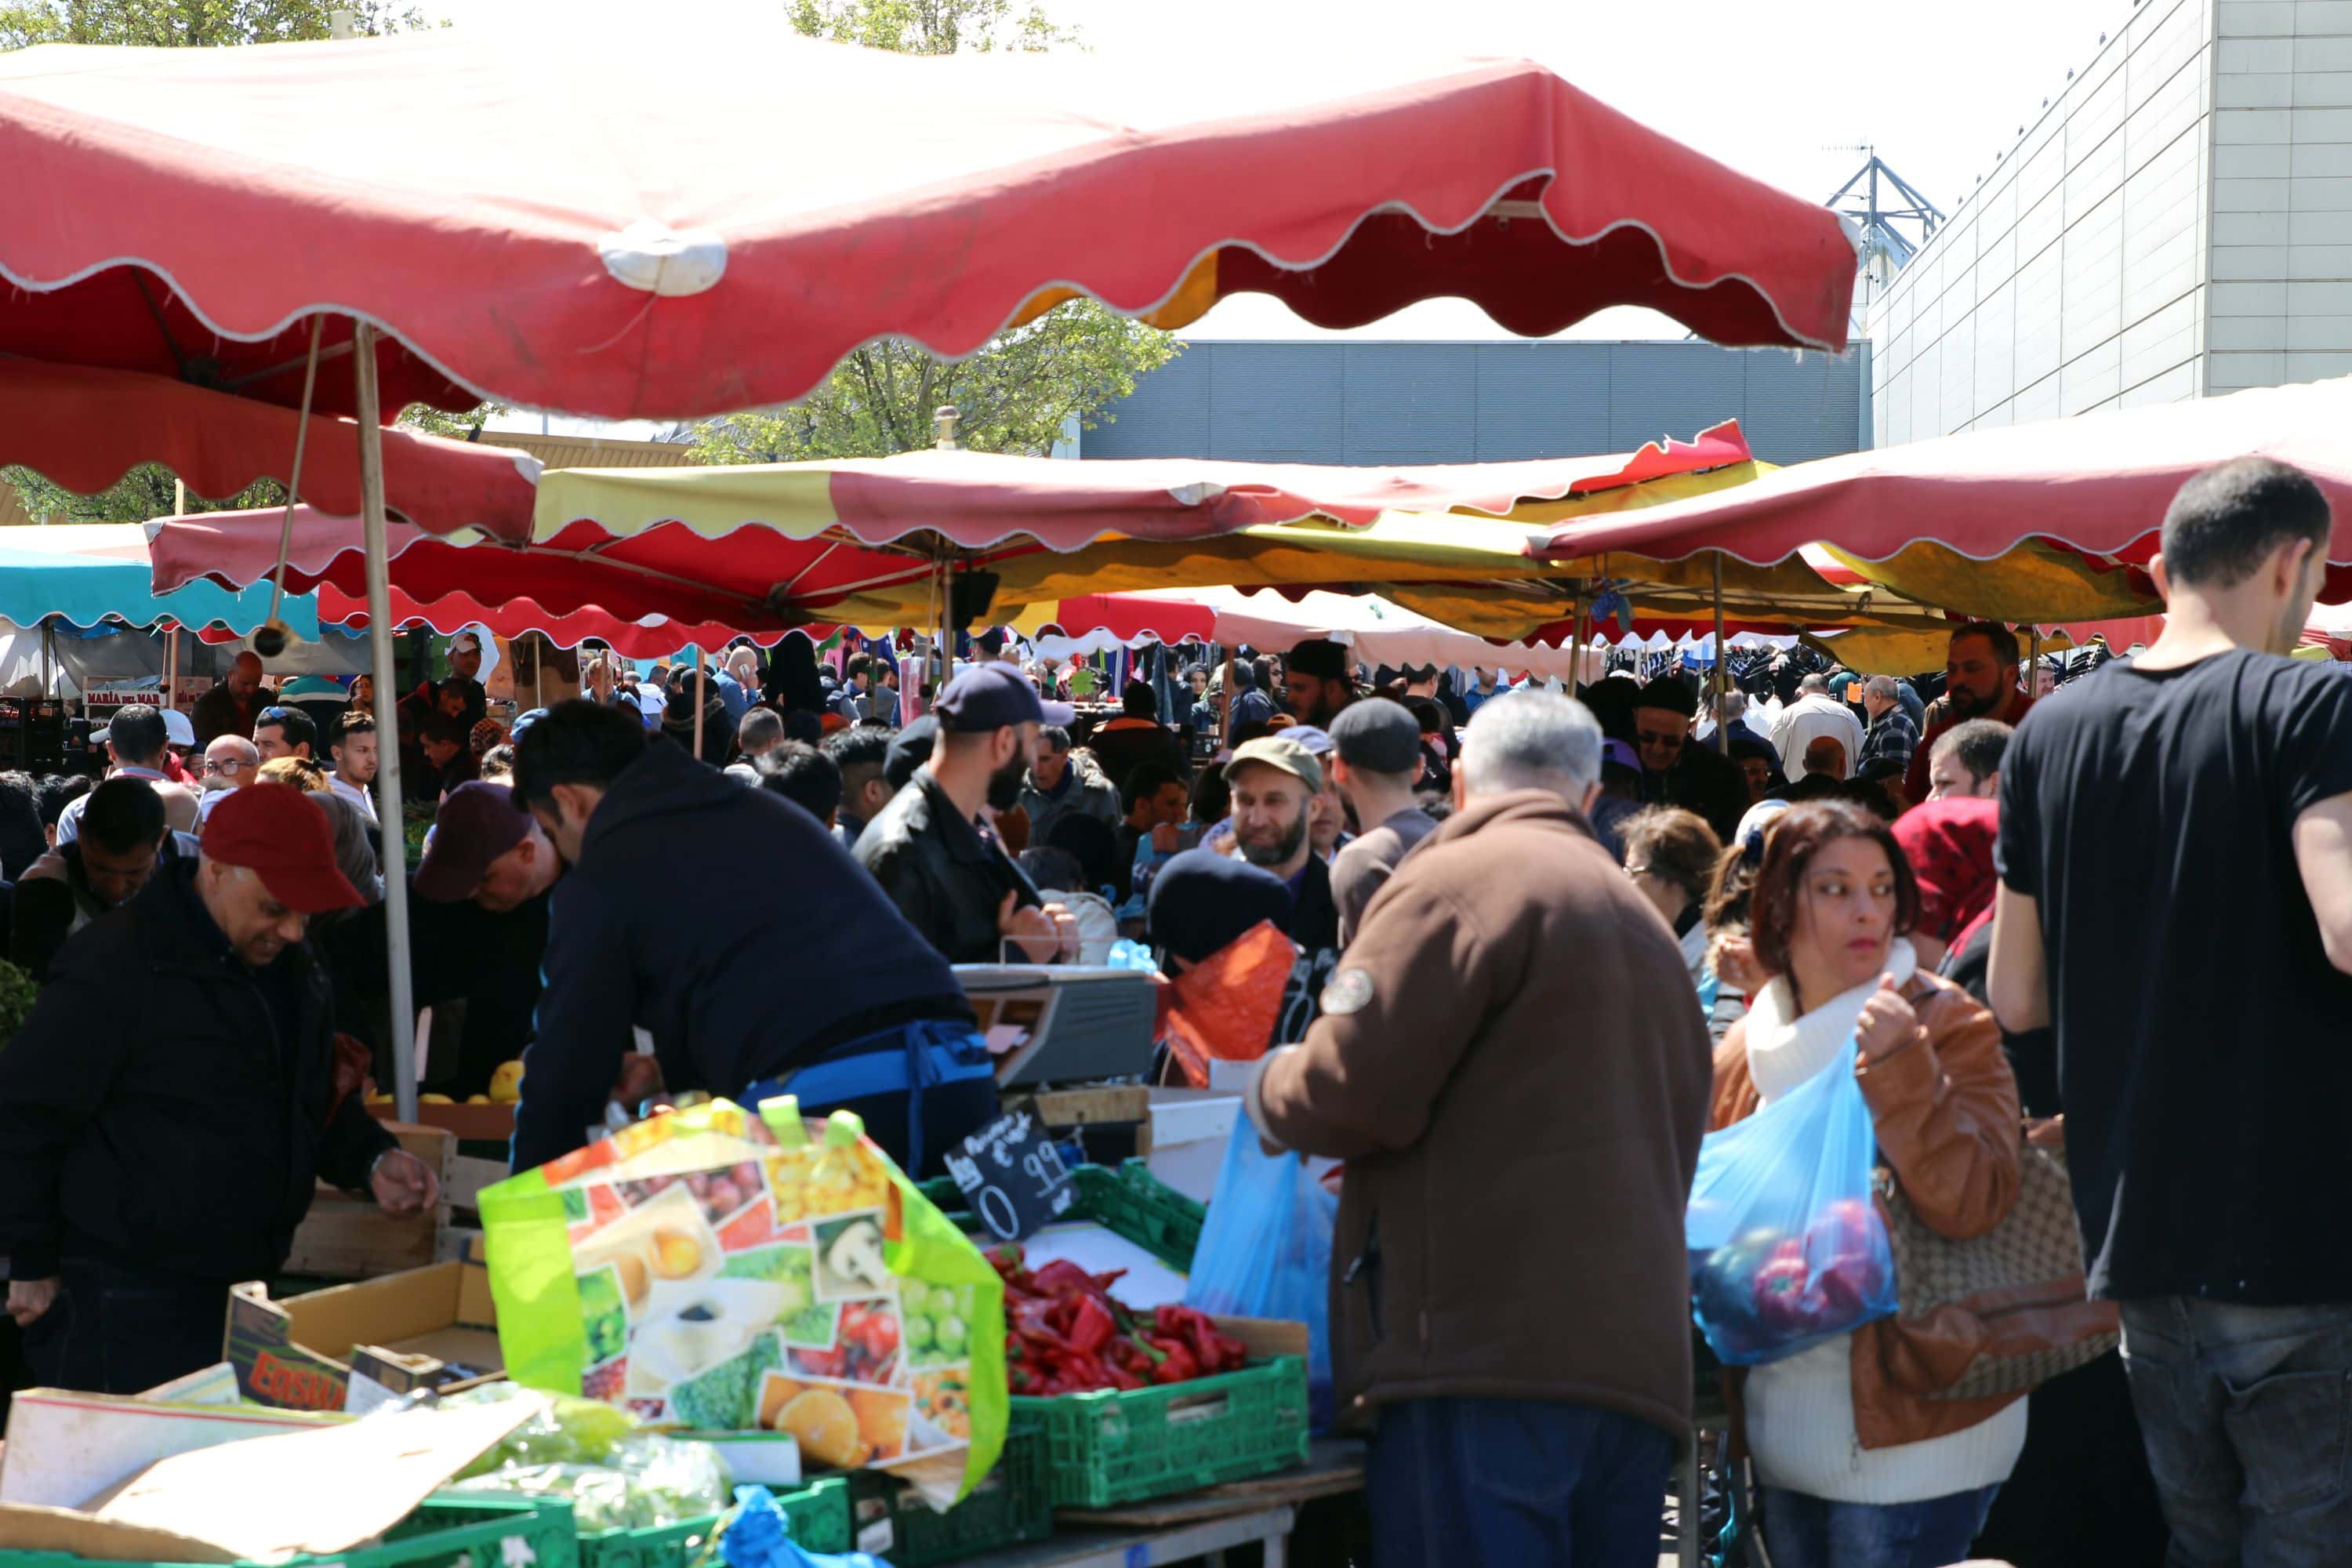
[1379, 630]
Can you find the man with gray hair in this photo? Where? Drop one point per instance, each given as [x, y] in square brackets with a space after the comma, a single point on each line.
[1513, 1017]
[1887, 746]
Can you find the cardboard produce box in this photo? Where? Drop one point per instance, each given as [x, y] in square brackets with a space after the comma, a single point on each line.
[347, 1237]
[272, 1498]
[468, 1123]
[350, 1347]
[65, 1448]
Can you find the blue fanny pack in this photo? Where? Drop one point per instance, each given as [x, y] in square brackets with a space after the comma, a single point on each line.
[907, 1058]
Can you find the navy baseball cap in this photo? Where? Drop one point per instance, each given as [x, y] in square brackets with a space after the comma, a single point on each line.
[991, 696]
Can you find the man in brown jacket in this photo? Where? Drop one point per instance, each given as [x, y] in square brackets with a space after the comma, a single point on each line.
[1512, 1063]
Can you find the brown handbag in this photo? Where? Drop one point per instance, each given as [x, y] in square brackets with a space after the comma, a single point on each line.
[2016, 1280]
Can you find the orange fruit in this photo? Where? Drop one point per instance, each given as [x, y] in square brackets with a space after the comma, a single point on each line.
[776, 1391]
[881, 1419]
[825, 1428]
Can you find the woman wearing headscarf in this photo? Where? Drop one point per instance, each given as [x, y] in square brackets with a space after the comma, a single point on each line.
[2081, 1491]
[1949, 844]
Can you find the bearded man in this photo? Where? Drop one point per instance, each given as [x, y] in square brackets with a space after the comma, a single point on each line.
[1275, 781]
[1980, 682]
[958, 885]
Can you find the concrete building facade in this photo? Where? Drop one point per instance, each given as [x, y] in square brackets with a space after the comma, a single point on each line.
[1364, 402]
[2177, 224]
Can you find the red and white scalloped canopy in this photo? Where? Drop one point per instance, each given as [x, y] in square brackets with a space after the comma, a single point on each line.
[666, 223]
[761, 549]
[2097, 485]
[83, 428]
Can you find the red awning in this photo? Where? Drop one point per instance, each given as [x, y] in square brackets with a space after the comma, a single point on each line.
[603, 223]
[652, 637]
[2096, 486]
[763, 549]
[83, 429]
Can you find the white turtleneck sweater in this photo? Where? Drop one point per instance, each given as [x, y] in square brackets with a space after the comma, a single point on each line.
[1800, 1411]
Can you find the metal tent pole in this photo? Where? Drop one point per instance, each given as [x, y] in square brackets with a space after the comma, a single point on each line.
[172, 637]
[390, 827]
[1579, 636]
[1722, 730]
[698, 703]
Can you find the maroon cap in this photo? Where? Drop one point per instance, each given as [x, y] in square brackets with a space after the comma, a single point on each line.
[479, 823]
[275, 831]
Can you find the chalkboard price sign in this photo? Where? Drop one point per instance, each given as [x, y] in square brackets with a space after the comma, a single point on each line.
[1012, 1176]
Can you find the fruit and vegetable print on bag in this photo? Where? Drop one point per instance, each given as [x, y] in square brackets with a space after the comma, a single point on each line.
[1787, 1249]
[715, 1270]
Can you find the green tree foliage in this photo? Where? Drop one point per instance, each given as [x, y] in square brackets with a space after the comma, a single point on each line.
[145, 491]
[1012, 395]
[190, 24]
[931, 27]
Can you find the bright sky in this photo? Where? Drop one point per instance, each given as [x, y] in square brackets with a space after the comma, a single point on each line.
[1765, 88]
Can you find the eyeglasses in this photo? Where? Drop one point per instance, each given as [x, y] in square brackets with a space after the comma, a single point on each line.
[233, 765]
[1652, 738]
[1637, 870]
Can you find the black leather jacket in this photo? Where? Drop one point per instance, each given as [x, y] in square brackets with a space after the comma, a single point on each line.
[158, 1112]
[942, 874]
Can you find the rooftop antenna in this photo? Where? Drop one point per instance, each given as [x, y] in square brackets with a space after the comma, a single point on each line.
[1894, 219]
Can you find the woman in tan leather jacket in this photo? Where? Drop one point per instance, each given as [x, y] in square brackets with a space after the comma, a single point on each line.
[1859, 1466]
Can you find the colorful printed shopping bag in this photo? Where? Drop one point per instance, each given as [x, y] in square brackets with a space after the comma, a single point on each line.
[714, 1270]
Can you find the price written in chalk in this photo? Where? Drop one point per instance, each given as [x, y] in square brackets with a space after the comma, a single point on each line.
[1013, 1177]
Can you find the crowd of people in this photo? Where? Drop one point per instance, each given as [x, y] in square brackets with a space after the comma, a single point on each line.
[1507, 951]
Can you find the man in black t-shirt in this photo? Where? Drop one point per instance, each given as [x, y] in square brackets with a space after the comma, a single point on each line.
[2176, 901]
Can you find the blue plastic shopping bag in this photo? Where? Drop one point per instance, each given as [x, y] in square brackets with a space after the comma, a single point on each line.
[1266, 1252]
[1787, 1249]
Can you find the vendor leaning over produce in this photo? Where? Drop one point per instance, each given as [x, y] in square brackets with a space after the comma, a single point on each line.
[728, 924]
[1520, 1111]
[167, 1111]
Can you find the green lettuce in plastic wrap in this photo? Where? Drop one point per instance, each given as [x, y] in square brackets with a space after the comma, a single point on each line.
[616, 1475]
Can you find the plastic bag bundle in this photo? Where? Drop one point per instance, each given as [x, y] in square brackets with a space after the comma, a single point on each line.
[1266, 1252]
[1786, 1247]
[615, 1474]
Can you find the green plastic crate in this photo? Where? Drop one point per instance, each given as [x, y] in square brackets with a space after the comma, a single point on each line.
[1013, 1505]
[1125, 1446]
[444, 1532]
[819, 1513]
[1129, 1202]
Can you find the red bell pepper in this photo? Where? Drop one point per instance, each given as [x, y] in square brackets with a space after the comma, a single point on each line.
[1091, 1327]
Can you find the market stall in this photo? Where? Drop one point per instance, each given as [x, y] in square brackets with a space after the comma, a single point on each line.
[869, 543]
[471, 261]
